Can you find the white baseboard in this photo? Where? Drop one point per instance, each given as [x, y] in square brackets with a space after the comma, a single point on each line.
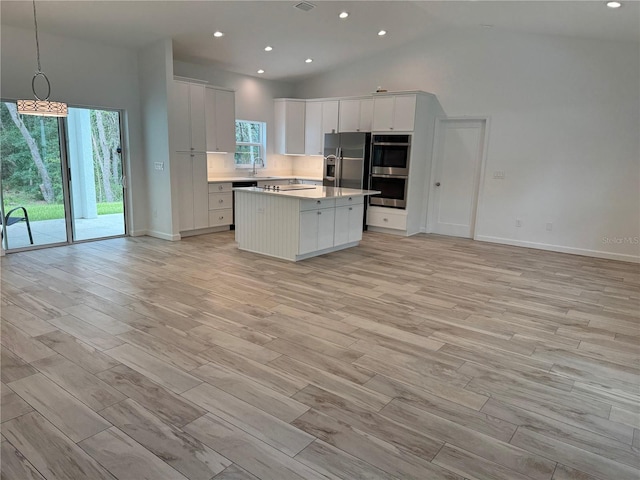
[559, 248]
[163, 235]
[139, 233]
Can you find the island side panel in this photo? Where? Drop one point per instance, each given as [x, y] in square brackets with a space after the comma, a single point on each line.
[268, 224]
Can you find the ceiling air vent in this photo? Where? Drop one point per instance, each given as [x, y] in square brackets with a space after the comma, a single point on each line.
[305, 6]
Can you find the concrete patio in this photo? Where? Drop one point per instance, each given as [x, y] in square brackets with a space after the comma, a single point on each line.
[46, 232]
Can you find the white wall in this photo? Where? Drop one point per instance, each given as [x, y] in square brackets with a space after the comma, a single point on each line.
[156, 66]
[82, 74]
[564, 127]
[254, 101]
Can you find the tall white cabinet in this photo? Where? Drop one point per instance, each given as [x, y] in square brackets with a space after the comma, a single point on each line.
[201, 120]
[413, 113]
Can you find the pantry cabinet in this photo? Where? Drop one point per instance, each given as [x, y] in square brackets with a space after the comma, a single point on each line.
[289, 126]
[193, 200]
[187, 118]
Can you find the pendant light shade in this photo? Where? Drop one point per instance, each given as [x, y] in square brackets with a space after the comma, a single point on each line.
[40, 106]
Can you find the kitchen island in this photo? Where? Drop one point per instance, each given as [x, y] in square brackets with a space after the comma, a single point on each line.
[294, 222]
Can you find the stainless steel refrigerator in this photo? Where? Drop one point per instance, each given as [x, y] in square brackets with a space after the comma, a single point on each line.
[346, 160]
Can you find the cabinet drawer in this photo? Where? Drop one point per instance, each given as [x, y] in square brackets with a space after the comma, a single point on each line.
[220, 200]
[220, 187]
[342, 201]
[396, 221]
[220, 217]
[316, 204]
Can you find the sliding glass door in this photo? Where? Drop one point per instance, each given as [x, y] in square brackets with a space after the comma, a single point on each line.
[34, 211]
[95, 167]
[61, 180]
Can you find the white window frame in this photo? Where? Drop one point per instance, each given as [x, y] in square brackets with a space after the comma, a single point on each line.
[262, 147]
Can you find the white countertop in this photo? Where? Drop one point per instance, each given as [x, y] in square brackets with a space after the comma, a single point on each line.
[258, 178]
[312, 192]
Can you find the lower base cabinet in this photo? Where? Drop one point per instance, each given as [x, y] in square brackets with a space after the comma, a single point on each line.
[316, 230]
[348, 224]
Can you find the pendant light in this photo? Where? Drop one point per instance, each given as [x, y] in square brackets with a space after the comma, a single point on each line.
[41, 106]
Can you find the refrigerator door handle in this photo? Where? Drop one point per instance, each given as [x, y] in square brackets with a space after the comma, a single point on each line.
[339, 167]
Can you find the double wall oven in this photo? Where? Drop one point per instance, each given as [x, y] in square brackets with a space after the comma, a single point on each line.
[390, 155]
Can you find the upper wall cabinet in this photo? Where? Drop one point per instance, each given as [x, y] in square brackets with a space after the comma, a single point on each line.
[289, 126]
[394, 113]
[220, 115]
[187, 118]
[320, 117]
[356, 115]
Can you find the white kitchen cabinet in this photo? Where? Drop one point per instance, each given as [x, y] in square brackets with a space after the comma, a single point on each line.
[320, 117]
[355, 115]
[316, 230]
[187, 118]
[388, 218]
[193, 193]
[394, 113]
[348, 223]
[220, 115]
[220, 211]
[289, 126]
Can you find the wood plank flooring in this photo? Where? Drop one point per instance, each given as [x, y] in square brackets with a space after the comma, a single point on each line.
[409, 358]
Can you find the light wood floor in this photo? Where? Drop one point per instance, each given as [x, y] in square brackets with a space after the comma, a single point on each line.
[411, 358]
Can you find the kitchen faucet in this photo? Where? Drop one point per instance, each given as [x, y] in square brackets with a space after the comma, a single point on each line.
[255, 161]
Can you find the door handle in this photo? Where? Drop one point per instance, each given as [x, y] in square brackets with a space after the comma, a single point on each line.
[437, 184]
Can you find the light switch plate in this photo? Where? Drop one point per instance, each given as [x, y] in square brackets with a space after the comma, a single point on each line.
[159, 166]
[499, 174]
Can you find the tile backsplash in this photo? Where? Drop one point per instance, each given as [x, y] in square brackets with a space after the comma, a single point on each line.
[221, 165]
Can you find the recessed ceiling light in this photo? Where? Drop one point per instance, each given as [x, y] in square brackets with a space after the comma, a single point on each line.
[344, 15]
[268, 48]
[382, 32]
[218, 34]
[309, 60]
[261, 71]
[614, 4]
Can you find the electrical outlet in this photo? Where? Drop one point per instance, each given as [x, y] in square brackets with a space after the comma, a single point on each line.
[159, 166]
[549, 226]
[260, 209]
[518, 222]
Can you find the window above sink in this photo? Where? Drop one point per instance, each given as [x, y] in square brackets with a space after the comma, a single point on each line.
[250, 145]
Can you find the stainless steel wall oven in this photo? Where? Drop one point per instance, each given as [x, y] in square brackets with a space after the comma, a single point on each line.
[393, 190]
[390, 154]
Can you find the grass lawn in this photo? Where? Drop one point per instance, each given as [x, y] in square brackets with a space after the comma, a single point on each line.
[38, 211]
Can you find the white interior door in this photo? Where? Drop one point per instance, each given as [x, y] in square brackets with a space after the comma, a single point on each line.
[457, 162]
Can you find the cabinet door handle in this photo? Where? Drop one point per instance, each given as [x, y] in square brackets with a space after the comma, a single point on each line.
[350, 198]
[221, 218]
[220, 187]
[319, 213]
[318, 202]
[385, 219]
[350, 208]
[390, 128]
[220, 201]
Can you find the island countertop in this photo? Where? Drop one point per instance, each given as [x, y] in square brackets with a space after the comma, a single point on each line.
[308, 191]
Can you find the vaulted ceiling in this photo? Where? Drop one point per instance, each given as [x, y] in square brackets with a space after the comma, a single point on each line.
[319, 34]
